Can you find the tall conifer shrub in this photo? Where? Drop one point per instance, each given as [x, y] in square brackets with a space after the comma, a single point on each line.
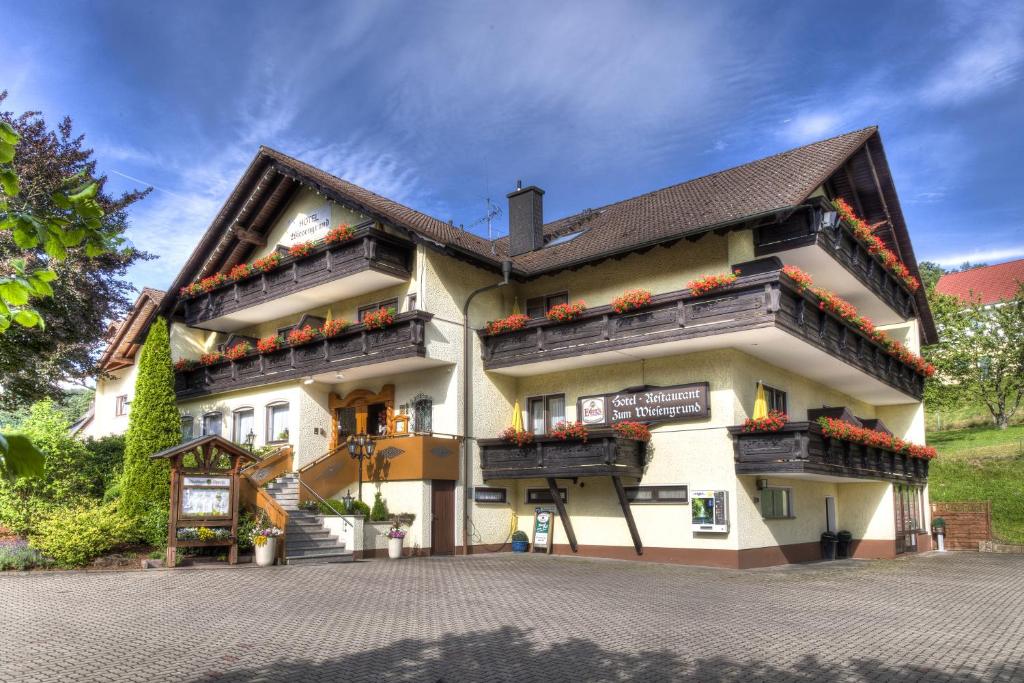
[153, 425]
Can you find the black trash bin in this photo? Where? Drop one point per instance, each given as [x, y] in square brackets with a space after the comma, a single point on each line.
[843, 546]
[828, 545]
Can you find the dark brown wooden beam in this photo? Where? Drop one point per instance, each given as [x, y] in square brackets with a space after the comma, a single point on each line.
[627, 512]
[853, 191]
[562, 514]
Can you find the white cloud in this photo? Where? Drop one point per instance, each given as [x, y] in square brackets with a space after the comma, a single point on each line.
[995, 255]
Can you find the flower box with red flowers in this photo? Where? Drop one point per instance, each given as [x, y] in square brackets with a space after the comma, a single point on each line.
[211, 358]
[300, 250]
[803, 280]
[192, 289]
[519, 437]
[342, 233]
[267, 263]
[240, 272]
[269, 344]
[632, 430]
[707, 283]
[570, 431]
[631, 300]
[842, 430]
[516, 321]
[239, 351]
[332, 328]
[379, 319]
[562, 313]
[183, 364]
[302, 335]
[772, 422]
[874, 244]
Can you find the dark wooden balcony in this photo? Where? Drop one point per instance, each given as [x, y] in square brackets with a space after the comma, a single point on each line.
[369, 261]
[356, 346]
[803, 241]
[759, 314]
[604, 454]
[800, 449]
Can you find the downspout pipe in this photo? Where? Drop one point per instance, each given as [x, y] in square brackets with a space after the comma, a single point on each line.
[467, 398]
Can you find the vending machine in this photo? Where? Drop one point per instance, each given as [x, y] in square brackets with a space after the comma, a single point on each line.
[710, 510]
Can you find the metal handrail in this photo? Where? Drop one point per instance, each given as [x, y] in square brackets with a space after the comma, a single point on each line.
[323, 500]
[321, 458]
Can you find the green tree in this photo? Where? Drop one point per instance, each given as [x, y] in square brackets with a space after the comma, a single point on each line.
[980, 355]
[930, 274]
[153, 425]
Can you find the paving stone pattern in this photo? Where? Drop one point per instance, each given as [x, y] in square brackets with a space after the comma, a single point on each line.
[953, 617]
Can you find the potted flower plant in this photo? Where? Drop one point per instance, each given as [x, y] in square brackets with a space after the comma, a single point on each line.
[264, 540]
[396, 536]
[520, 541]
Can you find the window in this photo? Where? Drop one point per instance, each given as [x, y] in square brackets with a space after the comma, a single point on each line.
[488, 494]
[422, 413]
[655, 495]
[543, 496]
[212, 423]
[776, 503]
[538, 306]
[776, 398]
[410, 302]
[363, 310]
[187, 428]
[121, 405]
[244, 422]
[277, 423]
[545, 412]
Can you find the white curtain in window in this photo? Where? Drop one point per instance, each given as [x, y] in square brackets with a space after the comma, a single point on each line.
[211, 424]
[277, 422]
[556, 410]
[244, 423]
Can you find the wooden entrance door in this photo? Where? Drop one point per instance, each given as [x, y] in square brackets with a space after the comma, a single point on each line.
[442, 517]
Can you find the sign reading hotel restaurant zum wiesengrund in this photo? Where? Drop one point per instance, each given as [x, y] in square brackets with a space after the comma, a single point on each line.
[648, 404]
[306, 227]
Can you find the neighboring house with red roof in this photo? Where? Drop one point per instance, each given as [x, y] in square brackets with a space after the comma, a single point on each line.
[989, 284]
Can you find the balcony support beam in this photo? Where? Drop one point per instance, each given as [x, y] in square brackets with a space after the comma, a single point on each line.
[627, 512]
[562, 514]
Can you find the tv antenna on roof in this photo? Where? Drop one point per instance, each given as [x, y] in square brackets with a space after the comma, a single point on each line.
[493, 211]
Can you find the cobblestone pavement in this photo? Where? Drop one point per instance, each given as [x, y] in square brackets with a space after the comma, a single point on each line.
[953, 617]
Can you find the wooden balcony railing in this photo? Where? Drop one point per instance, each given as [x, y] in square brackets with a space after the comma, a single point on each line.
[803, 228]
[802, 448]
[751, 302]
[603, 454]
[270, 467]
[369, 250]
[355, 346]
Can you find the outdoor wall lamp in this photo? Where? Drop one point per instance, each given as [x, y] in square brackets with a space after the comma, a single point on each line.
[250, 440]
[361, 447]
[762, 484]
[346, 500]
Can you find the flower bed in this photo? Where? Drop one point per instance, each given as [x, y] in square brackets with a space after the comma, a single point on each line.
[269, 344]
[238, 351]
[302, 335]
[203, 533]
[565, 312]
[706, 283]
[633, 430]
[516, 321]
[333, 328]
[631, 300]
[874, 244]
[379, 319]
[517, 436]
[845, 431]
[773, 422]
[570, 431]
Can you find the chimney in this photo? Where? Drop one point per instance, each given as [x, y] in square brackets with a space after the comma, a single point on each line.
[525, 219]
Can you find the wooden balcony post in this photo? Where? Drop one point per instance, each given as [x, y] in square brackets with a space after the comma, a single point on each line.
[628, 513]
[562, 514]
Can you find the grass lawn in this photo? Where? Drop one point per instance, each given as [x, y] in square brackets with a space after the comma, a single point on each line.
[982, 463]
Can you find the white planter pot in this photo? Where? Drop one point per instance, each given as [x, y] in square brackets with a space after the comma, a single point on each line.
[266, 553]
[395, 548]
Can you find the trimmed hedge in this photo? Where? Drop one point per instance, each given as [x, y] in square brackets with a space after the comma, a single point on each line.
[73, 536]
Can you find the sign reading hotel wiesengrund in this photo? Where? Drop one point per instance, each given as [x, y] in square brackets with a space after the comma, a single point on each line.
[306, 227]
[649, 404]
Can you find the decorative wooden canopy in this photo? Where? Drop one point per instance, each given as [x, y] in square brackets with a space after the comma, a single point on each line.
[207, 451]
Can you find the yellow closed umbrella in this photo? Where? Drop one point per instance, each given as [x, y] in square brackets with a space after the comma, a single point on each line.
[760, 403]
[517, 417]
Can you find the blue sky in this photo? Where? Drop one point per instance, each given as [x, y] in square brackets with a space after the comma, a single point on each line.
[441, 104]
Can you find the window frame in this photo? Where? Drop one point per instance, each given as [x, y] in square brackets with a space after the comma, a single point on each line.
[220, 416]
[240, 438]
[772, 397]
[191, 428]
[655, 489]
[546, 302]
[121, 404]
[790, 511]
[545, 401]
[493, 490]
[270, 437]
[369, 308]
[542, 496]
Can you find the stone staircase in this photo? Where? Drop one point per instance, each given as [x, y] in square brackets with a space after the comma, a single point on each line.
[307, 540]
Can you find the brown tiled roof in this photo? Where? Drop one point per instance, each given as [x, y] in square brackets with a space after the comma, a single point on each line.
[127, 337]
[760, 187]
[987, 284]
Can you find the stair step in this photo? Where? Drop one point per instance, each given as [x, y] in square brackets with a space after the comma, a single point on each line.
[298, 547]
[311, 538]
[325, 554]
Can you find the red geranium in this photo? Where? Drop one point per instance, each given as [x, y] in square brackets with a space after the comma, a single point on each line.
[212, 282]
[211, 358]
[268, 262]
[240, 272]
[633, 430]
[381, 318]
[301, 249]
[773, 422]
[874, 244]
[570, 431]
[565, 312]
[268, 344]
[239, 350]
[706, 283]
[183, 364]
[846, 431]
[516, 321]
[631, 300]
[517, 436]
[803, 280]
[342, 233]
[191, 289]
[301, 335]
[334, 327]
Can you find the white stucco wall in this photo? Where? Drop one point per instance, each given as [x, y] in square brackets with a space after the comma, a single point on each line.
[105, 421]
